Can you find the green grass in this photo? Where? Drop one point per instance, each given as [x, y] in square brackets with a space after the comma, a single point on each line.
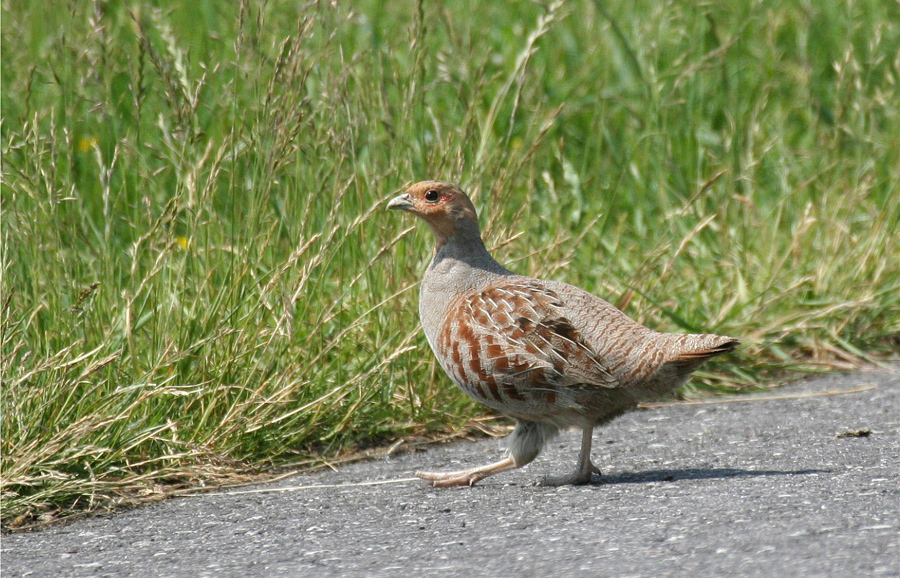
[199, 277]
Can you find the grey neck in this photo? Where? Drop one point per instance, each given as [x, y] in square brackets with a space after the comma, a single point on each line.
[464, 262]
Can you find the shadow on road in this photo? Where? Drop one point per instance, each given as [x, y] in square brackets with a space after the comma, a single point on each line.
[693, 474]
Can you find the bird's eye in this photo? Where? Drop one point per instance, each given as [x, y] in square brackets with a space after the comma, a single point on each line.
[432, 196]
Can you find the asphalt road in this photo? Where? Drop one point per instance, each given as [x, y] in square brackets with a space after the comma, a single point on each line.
[757, 488]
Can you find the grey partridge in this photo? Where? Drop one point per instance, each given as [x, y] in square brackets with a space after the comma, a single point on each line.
[545, 353]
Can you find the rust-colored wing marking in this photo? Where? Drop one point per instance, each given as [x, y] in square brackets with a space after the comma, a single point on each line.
[514, 341]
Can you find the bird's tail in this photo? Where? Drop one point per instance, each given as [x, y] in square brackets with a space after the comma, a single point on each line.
[692, 350]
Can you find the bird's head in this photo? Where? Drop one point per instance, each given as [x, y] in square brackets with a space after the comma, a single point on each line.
[447, 210]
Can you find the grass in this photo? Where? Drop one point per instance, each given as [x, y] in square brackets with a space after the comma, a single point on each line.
[199, 278]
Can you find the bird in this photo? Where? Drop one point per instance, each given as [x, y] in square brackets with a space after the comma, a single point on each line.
[547, 354]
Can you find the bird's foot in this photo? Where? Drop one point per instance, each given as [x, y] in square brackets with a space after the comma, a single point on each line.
[449, 479]
[467, 477]
[574, 479]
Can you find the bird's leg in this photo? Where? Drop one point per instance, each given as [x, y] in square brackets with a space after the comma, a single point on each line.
[468, 477]
[582, 473]
[525, 443]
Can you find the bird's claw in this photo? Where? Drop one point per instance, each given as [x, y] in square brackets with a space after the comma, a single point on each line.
[450, 479]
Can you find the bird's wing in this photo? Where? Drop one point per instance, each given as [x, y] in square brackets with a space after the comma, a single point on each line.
[517, 333]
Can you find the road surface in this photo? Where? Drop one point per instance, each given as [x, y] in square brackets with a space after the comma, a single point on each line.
[792, 486]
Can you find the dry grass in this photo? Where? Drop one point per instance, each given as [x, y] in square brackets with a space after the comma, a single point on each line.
[198, 278]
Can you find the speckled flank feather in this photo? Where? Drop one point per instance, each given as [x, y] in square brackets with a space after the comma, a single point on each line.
[546, 353]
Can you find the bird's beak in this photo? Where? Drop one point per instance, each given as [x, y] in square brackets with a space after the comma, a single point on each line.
[401, 202]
